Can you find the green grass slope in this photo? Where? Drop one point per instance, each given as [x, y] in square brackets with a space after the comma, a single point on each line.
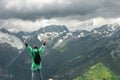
[98, 72]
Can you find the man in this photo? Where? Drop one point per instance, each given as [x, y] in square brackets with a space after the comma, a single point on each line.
[36, 65]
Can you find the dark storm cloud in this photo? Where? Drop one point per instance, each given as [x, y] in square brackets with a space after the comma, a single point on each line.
[109, 8]
[83, 9]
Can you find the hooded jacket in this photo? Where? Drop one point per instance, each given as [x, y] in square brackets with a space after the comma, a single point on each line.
[32, 54]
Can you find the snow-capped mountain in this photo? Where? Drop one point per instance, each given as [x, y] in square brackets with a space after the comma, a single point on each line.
[11, 40]
[106, 30]
[59, 35]
[55, 35]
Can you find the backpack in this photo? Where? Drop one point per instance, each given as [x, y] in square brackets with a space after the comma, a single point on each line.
[37, 58]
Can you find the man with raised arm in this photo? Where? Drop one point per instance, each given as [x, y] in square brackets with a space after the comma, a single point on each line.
[36, 64]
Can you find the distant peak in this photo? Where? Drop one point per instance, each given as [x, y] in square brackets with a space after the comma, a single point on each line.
[54, 28]
[4, 30]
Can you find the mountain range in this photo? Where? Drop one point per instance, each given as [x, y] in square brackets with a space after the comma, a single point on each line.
[68, 54]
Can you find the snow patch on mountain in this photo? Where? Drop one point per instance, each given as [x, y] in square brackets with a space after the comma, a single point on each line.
[11, 40]
[26, 37]
[68, 36]
[58, 43]
[81, 35]
[48, 36]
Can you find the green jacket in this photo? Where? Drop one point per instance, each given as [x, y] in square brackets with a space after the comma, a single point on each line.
[32, 54]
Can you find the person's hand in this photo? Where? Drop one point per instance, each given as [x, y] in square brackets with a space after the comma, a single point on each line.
[44, 43]
[25, 42]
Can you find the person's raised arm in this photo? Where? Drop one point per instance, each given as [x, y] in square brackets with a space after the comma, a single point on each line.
[28, 46]
[42, 48]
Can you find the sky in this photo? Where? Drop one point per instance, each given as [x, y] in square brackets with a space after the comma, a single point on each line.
[30, 15]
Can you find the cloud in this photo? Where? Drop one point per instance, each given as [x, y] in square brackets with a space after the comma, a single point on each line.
[17, 15]
[47, 9]
[15, 25]
[35, 9]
